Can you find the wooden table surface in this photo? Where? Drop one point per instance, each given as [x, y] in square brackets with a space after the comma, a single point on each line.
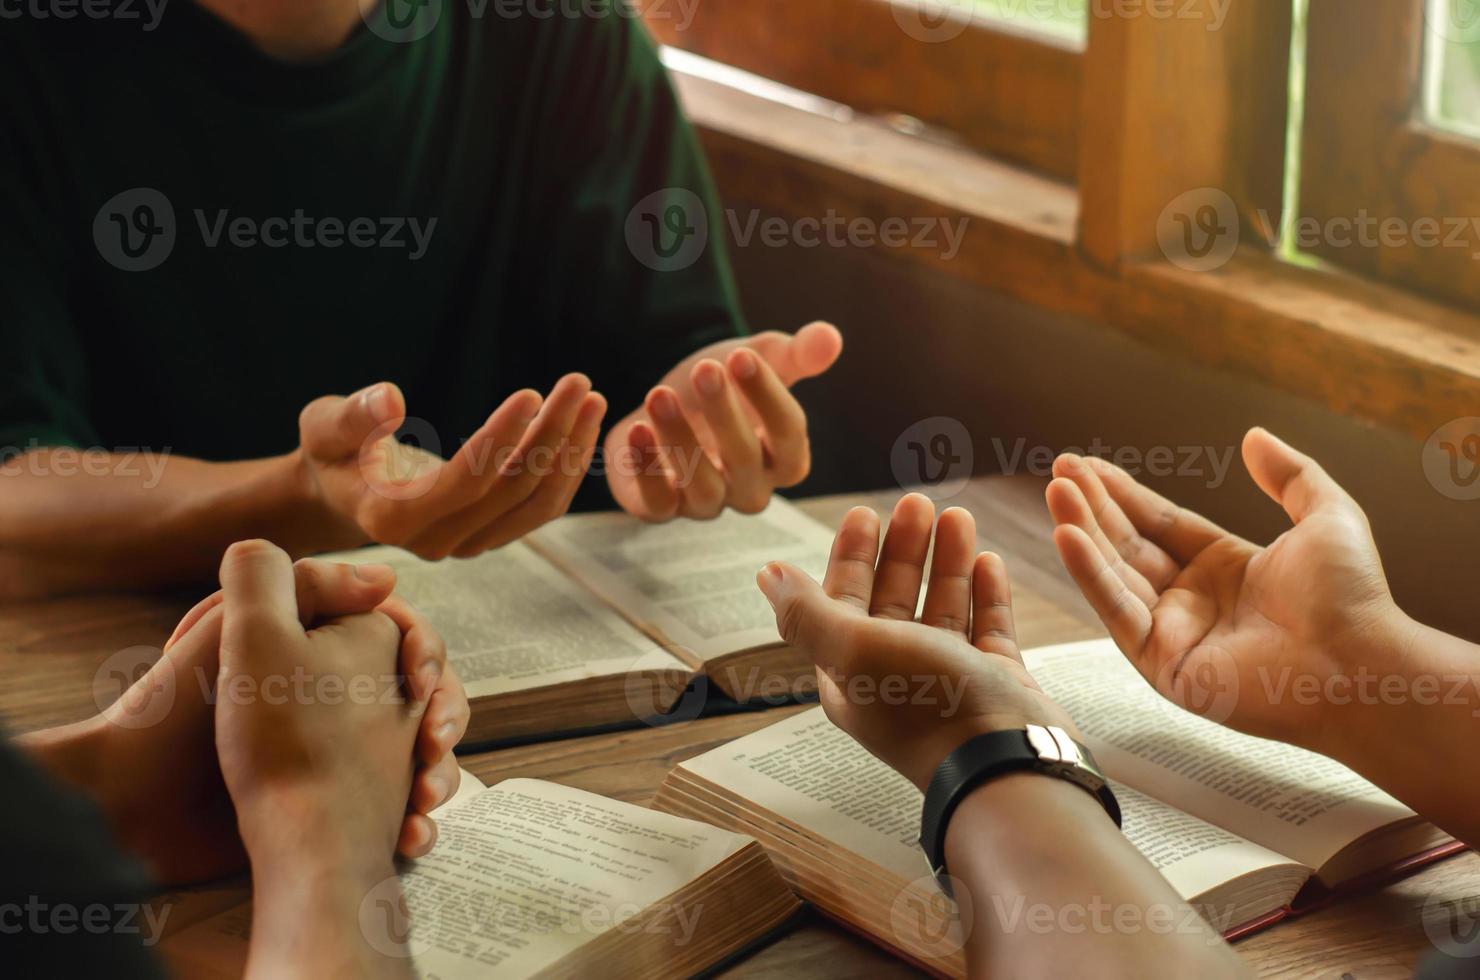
[49, 652]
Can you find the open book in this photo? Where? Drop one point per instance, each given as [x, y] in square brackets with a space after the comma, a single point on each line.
[1245, 829]
[600, 619]
[530, 878]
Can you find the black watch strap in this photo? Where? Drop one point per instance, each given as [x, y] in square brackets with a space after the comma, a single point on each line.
[1037, 748]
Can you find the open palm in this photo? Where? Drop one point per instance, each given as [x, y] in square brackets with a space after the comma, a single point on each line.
[1240, 633]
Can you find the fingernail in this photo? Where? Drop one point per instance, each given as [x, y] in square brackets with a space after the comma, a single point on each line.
[709, 379]
[427, 678]
[378, 401]
[744, 365]
[665, 406]
[445, 733]
[437, 783]
[769, 578]
[374, 574]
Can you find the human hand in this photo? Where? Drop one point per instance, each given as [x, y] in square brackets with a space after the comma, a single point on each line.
[519, 471]
[326, 590]
[721, 429]
[1217, 622]
[911, 692]
[322, 776]
[153, 764]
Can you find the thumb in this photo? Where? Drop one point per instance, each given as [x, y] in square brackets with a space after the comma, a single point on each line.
[806, 354]
[259, 601]
[333, 427]
[807, 617]
[1290, 478]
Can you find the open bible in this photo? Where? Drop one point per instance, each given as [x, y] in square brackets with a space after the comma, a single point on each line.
[599, 619]
[1248, 831]
[530, 878]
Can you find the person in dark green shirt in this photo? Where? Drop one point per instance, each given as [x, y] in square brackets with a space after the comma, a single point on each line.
[215, 215]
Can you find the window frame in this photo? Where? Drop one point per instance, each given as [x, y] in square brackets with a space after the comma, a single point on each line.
[1027, 84]
[1369, 149]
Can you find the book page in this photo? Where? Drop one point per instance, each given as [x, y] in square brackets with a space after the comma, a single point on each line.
[1193, 855]
[689, 583]
[810, 773]
[521, 875]
[512, 622]
[1292, 801]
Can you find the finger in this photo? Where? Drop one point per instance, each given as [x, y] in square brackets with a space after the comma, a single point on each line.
[446, 720]
[474, 469]
[515, 476]
[556, 490]
[902, 559]
[1125, 616]
[195, 615]
[787, 454]
[806, 354]
[423, 658]
[1180, 533]
[1290, 478]
[850, 567]
[1067, 505]
[333, 427]
[418, 835]
[259, 599]
[434, 784]
[1154, 565]
[806, 617]
[948, 600]
[700, 486]
[992, 627]
[735, 442]
[326, 589]
[659, 498]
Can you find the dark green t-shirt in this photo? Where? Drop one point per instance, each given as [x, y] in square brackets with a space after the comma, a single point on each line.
[529, 140]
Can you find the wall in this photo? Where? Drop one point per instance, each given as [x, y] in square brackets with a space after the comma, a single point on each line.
[920, 344]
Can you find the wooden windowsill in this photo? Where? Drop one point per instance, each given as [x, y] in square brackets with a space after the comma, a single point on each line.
[1361, 348]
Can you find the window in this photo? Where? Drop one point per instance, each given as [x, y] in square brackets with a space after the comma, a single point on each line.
[1390, 181]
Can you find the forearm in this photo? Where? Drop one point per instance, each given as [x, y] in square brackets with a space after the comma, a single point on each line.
[72, 521]
[1056, 890]
[327, 919]
[1407, 721]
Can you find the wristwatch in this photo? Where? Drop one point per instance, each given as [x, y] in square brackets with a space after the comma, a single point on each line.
[1037, 748]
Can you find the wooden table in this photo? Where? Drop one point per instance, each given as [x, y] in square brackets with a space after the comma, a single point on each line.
[49, 652]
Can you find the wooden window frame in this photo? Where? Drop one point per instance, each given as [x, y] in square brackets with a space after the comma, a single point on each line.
[1025, 87]
[1092, 248]
[1369, 150]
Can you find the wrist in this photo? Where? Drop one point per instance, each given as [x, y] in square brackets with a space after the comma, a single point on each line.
[289, 830]
[320, 526]
[1022, 813]
[1370, 662]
